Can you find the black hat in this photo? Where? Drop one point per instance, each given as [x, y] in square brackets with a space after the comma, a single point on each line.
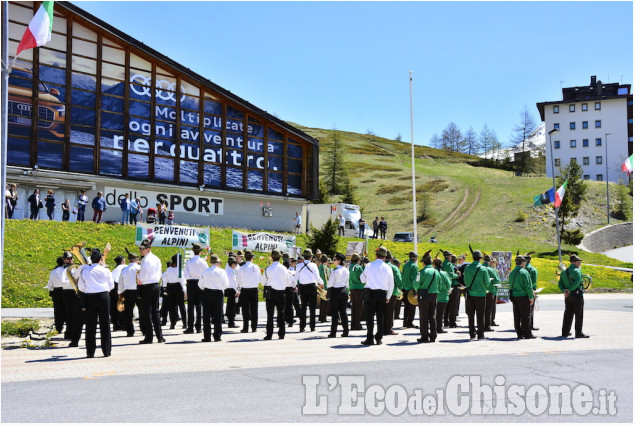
[67, 255]
[324, 258]
[146, 243]
[396, 262]
[307, 253]
[119, 259]
[381, 252]
[213, 259]
[293, 260]
[276, 254]
[437, 262]
[231, 260]
[486, 257]
[413, 254]
[477, 255]
[239, 252]
[132, 255]
[574, 258]
[446, 253]
[388, 255]
[340, 256]
[365, 260]
[248, 254]
[354, 257]
[231, 254]
[285, 255]
[196, 247]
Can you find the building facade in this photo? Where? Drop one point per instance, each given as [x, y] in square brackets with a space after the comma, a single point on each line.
[95, 109]
[595, 128]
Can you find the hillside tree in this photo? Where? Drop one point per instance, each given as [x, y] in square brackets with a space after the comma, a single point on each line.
[436, 142]
[485, 141]
[470, 142]
[451, 137]
[575, 193]
[522, 131]
[335, 172]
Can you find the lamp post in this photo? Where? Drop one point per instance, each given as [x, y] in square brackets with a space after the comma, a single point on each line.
[553, 176]
[606, 161]
[414, 184]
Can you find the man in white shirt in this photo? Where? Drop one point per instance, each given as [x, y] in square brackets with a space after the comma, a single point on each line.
[56, 291]
[248, 279]
[290, 293]
[127, 290]
[120, 263]
[213, 283]
[338, 295]
[277, 278]
[380, 283]
[193, 271]
[149, 292]
[96, 283]
[231, 269]
[308, 278]
[342, 224]
[174, 287]
[297, 223]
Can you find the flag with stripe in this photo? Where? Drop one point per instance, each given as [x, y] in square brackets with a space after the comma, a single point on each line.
[545, 198]
[560, 194]
[40, 29]
[628, 165]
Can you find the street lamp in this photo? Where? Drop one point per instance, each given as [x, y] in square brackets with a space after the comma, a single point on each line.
[606, 160]
[553, 176]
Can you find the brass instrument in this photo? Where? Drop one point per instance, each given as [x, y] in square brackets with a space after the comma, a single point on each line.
[399, 295]
[79, 252]
[412, 297]
[121, 305]
[321, 293]
[586, 281]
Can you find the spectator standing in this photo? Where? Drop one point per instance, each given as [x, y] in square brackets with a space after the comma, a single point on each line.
[49, 201]
[375, 227]
[342, 223]
[66, 210]
[170, 217]
[99, 206]
[35, 204]
[362, 227]
[80, 204]
[124, 203]
[297, 222]
[135, 208]
[11, 197]
[383, 226]
[161, 213]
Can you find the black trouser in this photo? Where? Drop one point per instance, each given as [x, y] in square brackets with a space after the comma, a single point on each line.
[66, 215]
[130, 298]
[325, 309]
[277, 302]
[98, 305]
[383, 234]
[375, 303]
[441, 307]
[308, 298]
[397, 308]
[288, 307]
[194, 298]
[212, 312]
[531, 314]
[149, 295]
[453, 307]
[490, 301]
[408, 310]
[357, 310]
[175, 302]
[573, 306]
[389, 319]
[427, 315]
[58, 309]
[476, 306]
[230, 308]
[521, 316]
[494, 308]
[165, 306]
[73, 314]
[249, 305]
[114, 317]
[338, 301]
[340, 231]
[375, 230]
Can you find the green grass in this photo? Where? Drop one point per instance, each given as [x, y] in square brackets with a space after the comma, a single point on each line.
[20, 327]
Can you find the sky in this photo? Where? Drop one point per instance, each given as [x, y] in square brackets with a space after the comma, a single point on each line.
[345, 65]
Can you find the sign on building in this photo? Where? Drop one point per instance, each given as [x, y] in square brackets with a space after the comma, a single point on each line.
[262, 242]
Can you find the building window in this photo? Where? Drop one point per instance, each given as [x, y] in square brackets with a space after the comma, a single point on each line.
[572, 143]
[571, 126]
[630, 120]
[556, 162]
[598, 106]
[572, 108]
[556, 126]
[598, 123]
[556, 109]
[598, 160]
[556, 144]
[587, 177]
[585, 160]
[585, 143]
[598, 142]
[598, 177]
[585, 107]
[585, 125]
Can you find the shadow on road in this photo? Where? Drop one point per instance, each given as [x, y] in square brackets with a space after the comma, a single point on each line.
[55, 359]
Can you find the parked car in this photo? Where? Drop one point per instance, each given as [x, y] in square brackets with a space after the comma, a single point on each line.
[405, 237]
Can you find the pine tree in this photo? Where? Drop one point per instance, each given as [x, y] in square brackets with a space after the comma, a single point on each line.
[522, 131]
[575, 193]
[349, 193]
[324, 239]
[334, 165]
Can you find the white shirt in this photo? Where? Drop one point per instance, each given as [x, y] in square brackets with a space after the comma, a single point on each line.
[194, 268]
[307, 272]
[116, 273]
[292, 281]
[342, 222]
[339, 277]
[276, 276]
[171, 275]
[213, 278]
[128, 278]
[95, 279]
[378, 275]
[58, 279]
[231, 276]
[150, 269]
[248, 276]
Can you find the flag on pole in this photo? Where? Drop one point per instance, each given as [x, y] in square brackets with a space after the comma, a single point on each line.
[560, 194]
[38, 33]
[545, 198]
[628, 165]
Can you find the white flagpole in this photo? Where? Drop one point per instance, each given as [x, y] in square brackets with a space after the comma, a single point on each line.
[414, 185]
[4, 121]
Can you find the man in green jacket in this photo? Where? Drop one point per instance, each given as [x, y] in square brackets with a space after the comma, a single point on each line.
[445, 285]
[357, 292]
[389, 319]
[476, 279]
[490, 298]
[533, 273]
[522, 295]
[427, 289]
[571, 284]
[408, 276]
[454, 301]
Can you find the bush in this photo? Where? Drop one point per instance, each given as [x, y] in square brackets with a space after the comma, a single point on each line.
[22, 327]
[520, 217]
[324, 239]
[572, 237]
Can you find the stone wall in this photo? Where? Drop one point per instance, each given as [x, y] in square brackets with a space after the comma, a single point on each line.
[609, 237]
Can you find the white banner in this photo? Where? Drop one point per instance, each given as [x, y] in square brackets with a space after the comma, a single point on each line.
[175, 236]
[262, 242]
[203, 205]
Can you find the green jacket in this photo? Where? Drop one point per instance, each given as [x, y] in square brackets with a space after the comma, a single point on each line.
[493, 274]
[325, 272]
[533, 273]
[520, 283]
[396, 274]
[445, 283]
[571, 279]
[476, 278]
[355, 272]
[428, 279]
[409, 275]
[448, 267]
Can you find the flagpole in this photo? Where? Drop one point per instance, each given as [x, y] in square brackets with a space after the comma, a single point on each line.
[553, 176]
[4, 121]
[414, 185]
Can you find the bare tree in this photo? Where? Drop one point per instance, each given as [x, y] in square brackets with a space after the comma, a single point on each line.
[470, 142]
[436, 142]
[522, 131]
[451, 137]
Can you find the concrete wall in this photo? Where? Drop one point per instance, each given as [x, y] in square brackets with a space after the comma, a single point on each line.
[609, 237]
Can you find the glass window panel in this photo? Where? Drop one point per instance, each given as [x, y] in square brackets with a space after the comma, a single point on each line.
[189, 89]
[49, 155]
[83, 135]
[275, 148]
[213, 138]
[113, 71]
[212, 107]
[234, 125]
[189, 172]
[255, 129]
[82, 116]
[254, 180]
[111, 121]
[141, 109]
[164, 169]
[213, 122]
[52, 75]
[274, 182]
[59, 23]
[234, 113]
[19, 126]
[255, 160]
[166, 98]
[110, 162]
[83, 32]
[256, 145]
[112, 55]
[166, 113]
[25, 56]
[21, 14]
[81, 159]
[113, 87]
[84, 48]
[190, 102]
[49, 93]
[138, 166]
[111, 103]
[234, 157]
[211, 176]
[83, 98]
[57, 42]
[51, 130]
[294, 151]
[163, 147]
[137, 62]
[189, 151]
[234, 141]
[141, 126]
[52, 57]
[275, 163]
[212, 155]
[83, 81]
[88, 66]
[107, 42]
[189, 134]
[294, 166]
[111, 139]
[294, 185]
[139, 144]
[164, 129]
[19, 150]
[234, 177]
[273, 134]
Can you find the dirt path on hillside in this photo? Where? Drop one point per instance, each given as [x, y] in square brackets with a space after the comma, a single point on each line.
[451, 216]
[467, 213]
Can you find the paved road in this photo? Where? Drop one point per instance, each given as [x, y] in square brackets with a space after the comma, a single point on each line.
[246, 379]
[624, 253]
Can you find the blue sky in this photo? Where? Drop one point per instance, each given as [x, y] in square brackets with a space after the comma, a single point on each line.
[345, 64]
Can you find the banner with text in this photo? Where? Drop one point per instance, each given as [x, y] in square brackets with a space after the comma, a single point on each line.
[262, 242]
[174, 236]
[202, 205]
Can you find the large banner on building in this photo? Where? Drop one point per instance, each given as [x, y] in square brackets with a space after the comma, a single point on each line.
[204, 205]
[173, 236]
[263, 242]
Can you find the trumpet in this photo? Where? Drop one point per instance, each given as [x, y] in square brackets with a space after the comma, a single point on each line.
[78, 252]
[399, 295]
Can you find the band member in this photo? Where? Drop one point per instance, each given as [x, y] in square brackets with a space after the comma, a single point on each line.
[325, 273]
[96, 282]
[379, 282]
[427, 288]
[149, 291]
[357, 292]
[76, 301]
[290, 294]
[409, 275]
[522, 296]
[389, 319]
[174, 290]
[490, 298]
[56, 291]
[239, 258]
[165, 304]
[533, 273]
[338, 295]
[277, 278]
[454, 299]
[120, 264]
[445, 286]
[231, 269]
[248, 279]
[213, 283]
[193, 270]
[72, 309]
[128, 291]
[570, 284]
[308, 277]
[477, 280]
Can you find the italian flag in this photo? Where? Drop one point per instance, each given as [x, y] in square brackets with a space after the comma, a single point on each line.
[560, 194]
[628, 165]
[40, 28]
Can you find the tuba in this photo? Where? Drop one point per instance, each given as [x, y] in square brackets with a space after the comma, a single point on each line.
[79, 253]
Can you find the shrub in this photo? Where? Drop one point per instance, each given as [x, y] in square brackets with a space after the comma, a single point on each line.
[521, 216]
[572, 237]
[390, 189]
[324, 239]
[20, 327]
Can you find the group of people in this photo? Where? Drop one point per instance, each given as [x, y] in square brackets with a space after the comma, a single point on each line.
[376, 290]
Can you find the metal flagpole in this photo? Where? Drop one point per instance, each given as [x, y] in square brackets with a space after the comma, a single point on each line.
[553, 176]
[414, 186]
[4, 120]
